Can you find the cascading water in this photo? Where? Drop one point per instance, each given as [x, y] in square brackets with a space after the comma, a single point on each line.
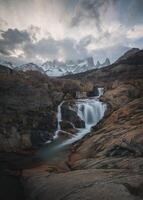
[59, 119]
[101, 91]
[91, 111]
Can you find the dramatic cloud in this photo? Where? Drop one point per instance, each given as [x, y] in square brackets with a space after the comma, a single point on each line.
[38, 30]
[24, 44]
[12, 39]
[91, 10]
[129, 12]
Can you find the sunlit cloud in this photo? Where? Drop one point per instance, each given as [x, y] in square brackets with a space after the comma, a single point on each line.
[69, 29]
[135, 32]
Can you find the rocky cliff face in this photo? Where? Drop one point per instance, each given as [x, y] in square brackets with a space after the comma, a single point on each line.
[27, 110]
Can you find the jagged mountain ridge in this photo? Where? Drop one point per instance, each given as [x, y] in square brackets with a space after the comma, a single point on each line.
[30, 67]
[106, 63]
[7, 64]
[57, 68]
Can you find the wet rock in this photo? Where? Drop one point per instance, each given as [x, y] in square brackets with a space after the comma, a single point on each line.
[94, 92]
[67, 134]
[69, 114]
[38, 137]
[66, 125]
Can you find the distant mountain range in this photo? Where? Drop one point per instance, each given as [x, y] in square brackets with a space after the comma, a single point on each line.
[57, 68]
[30, 67]
[7, 64]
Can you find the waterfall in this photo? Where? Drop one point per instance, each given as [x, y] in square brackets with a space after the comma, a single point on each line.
[90, 110]
[59, 119]
[101, 91]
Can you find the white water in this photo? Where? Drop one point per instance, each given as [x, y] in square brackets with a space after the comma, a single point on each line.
[91, 111]
[59, 119]
[101, 91]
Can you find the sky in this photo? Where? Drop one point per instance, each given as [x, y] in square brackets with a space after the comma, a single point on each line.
[41, 30]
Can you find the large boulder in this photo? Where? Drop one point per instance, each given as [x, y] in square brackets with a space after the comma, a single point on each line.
[68, 128]
[69, 114]
[66, 125]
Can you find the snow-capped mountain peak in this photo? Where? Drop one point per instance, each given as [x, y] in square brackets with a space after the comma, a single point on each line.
[30, 67]
[7, 64]
[57, 68]
[106, 63]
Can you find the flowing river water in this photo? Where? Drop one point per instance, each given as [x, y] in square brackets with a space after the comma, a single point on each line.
[91, 111]
[55, 153]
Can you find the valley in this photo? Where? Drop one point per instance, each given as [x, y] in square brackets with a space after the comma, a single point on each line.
[94, 144]
[71, 100]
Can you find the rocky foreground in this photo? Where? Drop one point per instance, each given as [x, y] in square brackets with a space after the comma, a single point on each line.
[108, 163]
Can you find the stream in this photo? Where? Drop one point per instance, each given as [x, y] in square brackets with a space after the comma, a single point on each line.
[56, 152]
[91, 111]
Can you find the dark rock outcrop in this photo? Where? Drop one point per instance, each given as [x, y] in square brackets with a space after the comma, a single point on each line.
[70, 115]
[94, 92]
[4, 69]
[27, 110]
[128, 54]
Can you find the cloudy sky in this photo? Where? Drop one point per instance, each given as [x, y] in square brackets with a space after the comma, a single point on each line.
[40, 30]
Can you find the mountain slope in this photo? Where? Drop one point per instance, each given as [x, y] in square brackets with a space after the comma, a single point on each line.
[30, 67]
[57, 68]
[7, 64]
[128, 54]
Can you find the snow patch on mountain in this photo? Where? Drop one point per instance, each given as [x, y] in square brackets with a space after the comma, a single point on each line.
[57, 68]
[7, 64]
[106, 63]
[30, 67]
